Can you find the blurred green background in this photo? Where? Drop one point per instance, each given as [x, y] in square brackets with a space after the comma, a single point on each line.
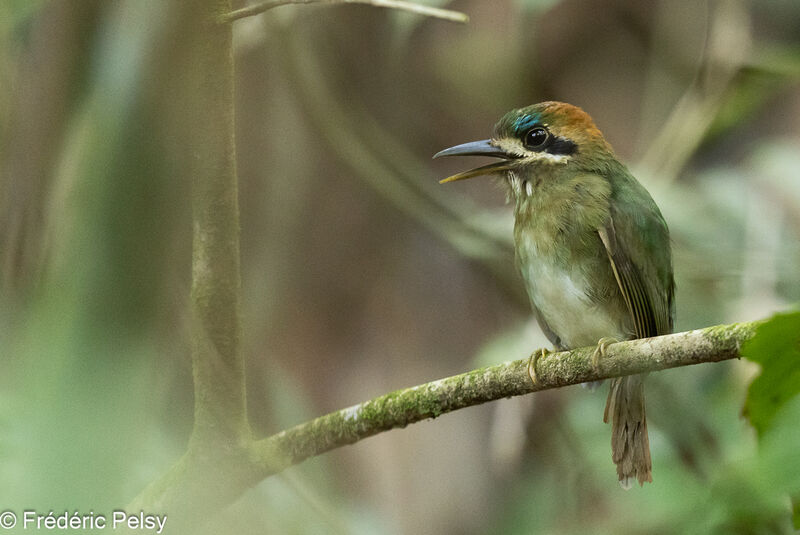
[362, 275]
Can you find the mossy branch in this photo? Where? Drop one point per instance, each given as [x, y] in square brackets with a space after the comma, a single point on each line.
[428, 11]
[410, 405]
[205, 481]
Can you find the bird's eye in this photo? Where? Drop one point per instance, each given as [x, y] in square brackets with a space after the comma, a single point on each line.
[536, 138]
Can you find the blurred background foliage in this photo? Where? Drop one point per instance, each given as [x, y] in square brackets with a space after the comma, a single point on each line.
[361, 275]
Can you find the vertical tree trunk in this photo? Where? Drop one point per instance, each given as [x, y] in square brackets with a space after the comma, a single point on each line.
[216, 468]
[218, 366]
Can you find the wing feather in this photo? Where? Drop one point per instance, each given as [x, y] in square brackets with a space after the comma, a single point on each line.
[647, 289]
[636, 240]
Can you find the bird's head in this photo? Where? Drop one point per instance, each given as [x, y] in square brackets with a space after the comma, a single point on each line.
[534, 139]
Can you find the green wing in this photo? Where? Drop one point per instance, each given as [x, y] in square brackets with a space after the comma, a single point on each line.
[637, 242]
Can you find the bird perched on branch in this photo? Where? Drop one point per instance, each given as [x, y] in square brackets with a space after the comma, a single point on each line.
[592, 248]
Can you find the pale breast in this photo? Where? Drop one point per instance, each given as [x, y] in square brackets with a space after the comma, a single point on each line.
[563, 261]
[567, 300]
[563, 300]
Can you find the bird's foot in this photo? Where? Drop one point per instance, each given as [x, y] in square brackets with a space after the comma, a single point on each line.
[535, 356]
[600, 350]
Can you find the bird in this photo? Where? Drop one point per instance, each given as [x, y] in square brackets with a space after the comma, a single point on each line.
[592, 247]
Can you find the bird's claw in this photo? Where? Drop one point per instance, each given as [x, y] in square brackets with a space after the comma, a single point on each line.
[535, 356]
[600, 350]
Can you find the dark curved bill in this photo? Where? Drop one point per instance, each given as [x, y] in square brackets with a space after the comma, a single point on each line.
[478, 148]
[473, 148]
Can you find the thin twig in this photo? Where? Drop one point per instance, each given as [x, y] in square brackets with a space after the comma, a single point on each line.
[256, 9]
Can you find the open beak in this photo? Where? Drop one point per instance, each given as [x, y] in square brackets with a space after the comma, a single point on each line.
[478, 148]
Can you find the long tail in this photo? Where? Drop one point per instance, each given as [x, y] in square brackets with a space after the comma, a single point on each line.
[630, 447]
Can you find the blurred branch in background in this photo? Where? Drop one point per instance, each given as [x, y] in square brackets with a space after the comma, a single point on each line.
[727, 47]
[220, 430]
[412, 7]
[385, 165]
[30, 132]
[218, 365]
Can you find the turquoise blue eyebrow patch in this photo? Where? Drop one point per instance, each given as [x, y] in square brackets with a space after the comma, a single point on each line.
[525, 122]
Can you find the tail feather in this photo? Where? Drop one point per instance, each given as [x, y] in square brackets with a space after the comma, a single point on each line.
[630, 446]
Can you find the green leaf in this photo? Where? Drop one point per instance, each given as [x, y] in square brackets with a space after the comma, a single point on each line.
[776, 347]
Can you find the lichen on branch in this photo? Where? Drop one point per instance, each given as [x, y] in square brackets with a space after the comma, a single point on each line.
[402, 407]
[185, 491]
